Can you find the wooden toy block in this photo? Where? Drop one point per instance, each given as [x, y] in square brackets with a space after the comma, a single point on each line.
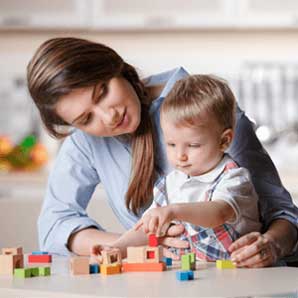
[143, 267]
[192, 257]
[44, 271]
[39, 253]
[185, 262]
[12, 251]
[188, 262]
[152, 240]
[225, 264]
[93, 268]
[136, 254]
[185, 275]
[153, 254]
[110, 269]
[79, 265]
[22, 272]
[167, 261]
[34, 271]
[111, 256]
[40, 258]
[9, 262]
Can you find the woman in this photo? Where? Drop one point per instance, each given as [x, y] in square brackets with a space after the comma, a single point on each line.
[117, 141]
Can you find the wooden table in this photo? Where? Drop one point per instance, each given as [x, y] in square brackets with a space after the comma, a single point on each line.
[209, 282]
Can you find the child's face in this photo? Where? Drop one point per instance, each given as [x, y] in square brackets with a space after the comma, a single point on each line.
[195, 150]
[109, 109]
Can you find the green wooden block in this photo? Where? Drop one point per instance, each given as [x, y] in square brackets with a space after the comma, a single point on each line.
[34, 271]
[192, 257]
[185, 262]
[44, 271]
[22, 272]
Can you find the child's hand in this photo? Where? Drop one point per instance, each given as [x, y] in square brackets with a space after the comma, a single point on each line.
[156, 221]
[96, 252]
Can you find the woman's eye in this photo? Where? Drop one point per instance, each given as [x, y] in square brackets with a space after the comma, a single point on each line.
[102, 92]
[194, 145]
[87, 120]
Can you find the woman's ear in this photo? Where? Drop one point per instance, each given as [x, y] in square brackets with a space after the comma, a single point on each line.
[226, 139]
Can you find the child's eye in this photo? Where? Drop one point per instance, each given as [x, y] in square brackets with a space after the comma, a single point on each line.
[171, 144]
[195, 145]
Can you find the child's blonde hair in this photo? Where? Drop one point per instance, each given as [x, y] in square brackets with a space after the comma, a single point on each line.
[198, 96]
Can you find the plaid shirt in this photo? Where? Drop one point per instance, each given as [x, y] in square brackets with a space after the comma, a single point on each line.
[207, 243]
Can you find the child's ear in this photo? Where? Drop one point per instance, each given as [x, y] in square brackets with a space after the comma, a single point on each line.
[226, 139]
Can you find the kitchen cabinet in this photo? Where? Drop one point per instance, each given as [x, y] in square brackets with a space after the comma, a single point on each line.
[98, 15]
[44, 14]
[166, 14]
[267, 13]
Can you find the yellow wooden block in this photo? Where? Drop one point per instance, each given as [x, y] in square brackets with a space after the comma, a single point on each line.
[110, 269]
[225, 264]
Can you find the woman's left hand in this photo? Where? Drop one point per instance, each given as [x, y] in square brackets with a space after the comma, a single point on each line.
[254, 250]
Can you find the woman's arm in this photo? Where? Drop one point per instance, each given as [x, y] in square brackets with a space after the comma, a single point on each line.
[257, 250]
[81, 242]
[71, 184]
[276, 205]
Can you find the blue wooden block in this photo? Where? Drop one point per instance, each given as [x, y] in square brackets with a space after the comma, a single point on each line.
[185, 275]
[93, 268]
[167, 261]
[182, 275]
[190, 275]
[39, 253]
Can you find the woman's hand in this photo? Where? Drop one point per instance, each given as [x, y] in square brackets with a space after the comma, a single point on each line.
[254, 250]
[96, 252]
[156, 221]
[171, 239]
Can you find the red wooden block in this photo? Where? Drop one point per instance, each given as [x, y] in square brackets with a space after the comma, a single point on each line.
[153, 241]
[150, 255]
[40, 259]
[143, 267]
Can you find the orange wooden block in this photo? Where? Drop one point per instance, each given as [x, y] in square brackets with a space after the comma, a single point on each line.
[10, 262]
[143, 267]
[79, 265]
[110, 269]
[12, 251]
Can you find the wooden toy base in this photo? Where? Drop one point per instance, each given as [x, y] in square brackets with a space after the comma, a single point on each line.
[143, 267]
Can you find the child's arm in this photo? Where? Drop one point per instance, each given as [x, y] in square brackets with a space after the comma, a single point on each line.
[130, 238]
[207, 214]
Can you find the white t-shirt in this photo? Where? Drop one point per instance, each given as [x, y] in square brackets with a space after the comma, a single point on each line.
[233, 185]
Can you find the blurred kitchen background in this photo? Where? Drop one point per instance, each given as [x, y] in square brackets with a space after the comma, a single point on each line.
[251, 43]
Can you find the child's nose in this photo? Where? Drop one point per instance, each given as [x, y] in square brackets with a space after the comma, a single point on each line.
[182, 156]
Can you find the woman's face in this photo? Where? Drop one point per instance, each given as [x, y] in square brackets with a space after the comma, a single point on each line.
[108, 109]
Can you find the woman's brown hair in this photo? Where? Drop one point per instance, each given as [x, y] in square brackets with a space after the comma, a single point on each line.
[61, 65]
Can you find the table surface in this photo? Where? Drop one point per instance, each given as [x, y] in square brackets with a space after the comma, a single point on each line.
[209, 282]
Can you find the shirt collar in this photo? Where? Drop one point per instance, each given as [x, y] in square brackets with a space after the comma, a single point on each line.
[168, 78]
[209, 177]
